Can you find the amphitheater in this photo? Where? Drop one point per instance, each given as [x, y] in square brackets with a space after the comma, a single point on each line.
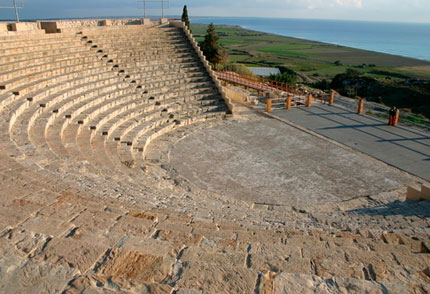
[125, 168]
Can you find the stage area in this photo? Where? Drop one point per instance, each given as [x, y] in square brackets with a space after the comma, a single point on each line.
[264, 160]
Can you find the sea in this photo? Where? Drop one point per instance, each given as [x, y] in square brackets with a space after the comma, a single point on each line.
[404, 39]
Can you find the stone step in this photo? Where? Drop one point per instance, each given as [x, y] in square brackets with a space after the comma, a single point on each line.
[39, 47]
[41, 53]
[31, 85]
[49, 59]
[20, 76]
[28, 42]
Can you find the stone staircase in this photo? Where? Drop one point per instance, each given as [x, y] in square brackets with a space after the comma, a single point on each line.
[84, 210]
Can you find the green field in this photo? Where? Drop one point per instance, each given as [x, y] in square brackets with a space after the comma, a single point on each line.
[312, 60]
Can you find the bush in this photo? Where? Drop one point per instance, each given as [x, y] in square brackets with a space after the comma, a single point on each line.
[239, 68]
[322, 85]
[211, 47]
[287, 76]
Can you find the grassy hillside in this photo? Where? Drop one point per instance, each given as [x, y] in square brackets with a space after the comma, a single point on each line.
[313, 60]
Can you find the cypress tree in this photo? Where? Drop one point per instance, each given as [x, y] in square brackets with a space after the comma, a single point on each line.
[210, 46]
[185, 18]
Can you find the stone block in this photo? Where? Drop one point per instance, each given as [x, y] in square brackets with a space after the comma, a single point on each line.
[413, 194]
[425, 191]
[3, 27]
[35, 277]
[24, 26]
[164, 20]
[146, 21]
[95, 221]
[307, 284]
[26, 243]
[50, 27]
[180, 238]
[106, 23]
[150, 246]
[45, 225]
[72, 253]
[134, 268]
[129, 225]
[216, 273]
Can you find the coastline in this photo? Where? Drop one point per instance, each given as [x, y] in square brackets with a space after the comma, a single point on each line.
[410, 41]
[304, 55]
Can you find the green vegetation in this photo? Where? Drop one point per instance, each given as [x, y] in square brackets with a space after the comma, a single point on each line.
[211, 47]
[383, 78]
[236, 67]
[313, 61]
[185, 18]
[408, 94]
[287, 76]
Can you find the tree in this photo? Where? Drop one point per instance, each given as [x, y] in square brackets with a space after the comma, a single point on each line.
[211, 48]
[287, 76]
[185, 18]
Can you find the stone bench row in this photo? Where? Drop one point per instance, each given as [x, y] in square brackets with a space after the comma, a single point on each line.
[74, 101]
[134, 43]
[125, 29]
[130, 129]
[42, 85]
[67, 125]
[139, 45]
[39, 41]
[69, 92]
[156, 53]
[41, 89]
[150, 119]
[136, 141]
[19, 76]
[166, 36]
[107, 119]
[30, 59]
[45, 58]
[42, 53]
[38, 47]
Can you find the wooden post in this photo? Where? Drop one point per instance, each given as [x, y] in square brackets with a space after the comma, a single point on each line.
[396, 117]
[288, 102]
[360, 108]
[309, 100]
[331, 100]
[269, 104]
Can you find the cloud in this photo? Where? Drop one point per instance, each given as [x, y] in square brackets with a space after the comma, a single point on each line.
[351, 3]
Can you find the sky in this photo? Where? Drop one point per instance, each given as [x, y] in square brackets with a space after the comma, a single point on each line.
[366, 10]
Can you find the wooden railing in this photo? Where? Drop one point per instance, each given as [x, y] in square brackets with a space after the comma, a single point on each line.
[254, 82]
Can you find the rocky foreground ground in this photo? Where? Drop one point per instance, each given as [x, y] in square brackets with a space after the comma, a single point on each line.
[67, 227]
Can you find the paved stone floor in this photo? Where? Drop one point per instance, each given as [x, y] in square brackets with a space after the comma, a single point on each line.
[266, 161]
[404, 148]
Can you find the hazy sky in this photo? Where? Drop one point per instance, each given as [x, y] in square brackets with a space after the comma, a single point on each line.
[377, 10]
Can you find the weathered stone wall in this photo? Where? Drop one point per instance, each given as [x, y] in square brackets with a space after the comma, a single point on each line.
[236, 95]
[52, 26]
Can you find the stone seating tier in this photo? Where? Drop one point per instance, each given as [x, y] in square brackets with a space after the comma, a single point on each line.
[42, 53]
[88, 208]
[33, 73]
[40, 89]
[32, 59]
[25, 38]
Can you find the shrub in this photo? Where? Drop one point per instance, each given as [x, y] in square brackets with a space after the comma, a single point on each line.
[239, 68]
